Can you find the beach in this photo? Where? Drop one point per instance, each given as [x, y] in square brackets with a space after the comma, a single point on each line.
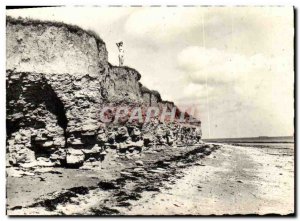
[212, 179]
[234, 180]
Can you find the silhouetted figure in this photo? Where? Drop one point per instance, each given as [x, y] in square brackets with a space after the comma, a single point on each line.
[121, 53]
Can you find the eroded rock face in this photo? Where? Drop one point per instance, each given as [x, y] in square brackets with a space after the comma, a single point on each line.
[44, 47]
[19, 148]
[120, 85]
[34, 113]
[58, 81]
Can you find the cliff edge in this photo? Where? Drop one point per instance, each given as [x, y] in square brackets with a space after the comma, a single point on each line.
[58, 82]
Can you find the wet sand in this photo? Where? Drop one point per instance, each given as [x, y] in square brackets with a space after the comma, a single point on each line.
[232, 180]
[226, 180]
[98, 188]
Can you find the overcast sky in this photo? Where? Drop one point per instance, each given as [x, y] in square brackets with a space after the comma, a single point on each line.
[234, 64]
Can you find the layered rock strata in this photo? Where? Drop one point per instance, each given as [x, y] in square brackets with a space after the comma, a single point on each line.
[58, 81]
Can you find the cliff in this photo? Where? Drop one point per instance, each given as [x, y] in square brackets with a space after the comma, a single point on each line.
[58, 81]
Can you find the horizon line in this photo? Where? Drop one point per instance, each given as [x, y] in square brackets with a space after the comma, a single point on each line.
[248, 137]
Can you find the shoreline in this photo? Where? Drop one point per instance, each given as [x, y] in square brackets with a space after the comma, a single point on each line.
[249, 186]
[111, 179]
[155, 188]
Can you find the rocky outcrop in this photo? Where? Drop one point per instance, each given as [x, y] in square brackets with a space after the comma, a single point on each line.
[121, 85]
[53, 48]
[58, 81]
[150, 97]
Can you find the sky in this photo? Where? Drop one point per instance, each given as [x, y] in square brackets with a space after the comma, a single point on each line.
[233, 64]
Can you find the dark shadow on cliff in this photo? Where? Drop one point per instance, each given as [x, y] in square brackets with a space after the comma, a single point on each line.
[25, 97]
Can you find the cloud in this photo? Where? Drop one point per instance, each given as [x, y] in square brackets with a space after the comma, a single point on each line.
[163, 24]
[219, 66]
[233, 83]
[248, 30]
[196, 90]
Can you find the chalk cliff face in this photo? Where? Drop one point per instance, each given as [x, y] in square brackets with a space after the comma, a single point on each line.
[121, 85]
[58, 79]
[53, 49]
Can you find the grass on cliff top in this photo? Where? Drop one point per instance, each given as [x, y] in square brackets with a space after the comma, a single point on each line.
[69, 27]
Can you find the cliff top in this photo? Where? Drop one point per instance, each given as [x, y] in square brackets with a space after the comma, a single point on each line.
[69, 27]
[127, 69]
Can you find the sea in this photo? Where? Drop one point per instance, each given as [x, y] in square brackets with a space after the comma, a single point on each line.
[283, 145]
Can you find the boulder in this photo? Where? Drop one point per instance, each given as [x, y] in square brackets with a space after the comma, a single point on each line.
[59, 155]
[59, 141]
[90, 127]
[139, 163]
[102, 137]
[18, 148]
[48, 144]
[97, 153]
[170, 137]
[122, 132]
[74, 158]
[45, 162]
[136, 132]
[148, 139]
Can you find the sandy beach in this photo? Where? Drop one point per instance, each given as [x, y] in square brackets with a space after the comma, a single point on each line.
[227, 180]
[233, 180]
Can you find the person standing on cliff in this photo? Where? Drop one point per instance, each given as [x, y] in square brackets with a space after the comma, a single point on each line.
[121, 53]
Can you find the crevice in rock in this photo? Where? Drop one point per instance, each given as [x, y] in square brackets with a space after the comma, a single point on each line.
[29, 98]
[13, 93]
[41, 92]
[55, 105]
